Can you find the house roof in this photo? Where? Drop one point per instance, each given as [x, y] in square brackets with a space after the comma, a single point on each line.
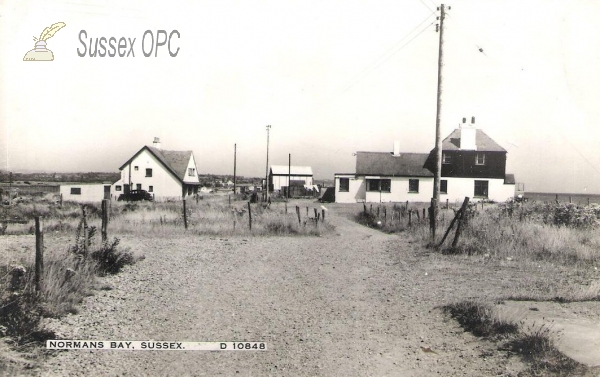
[386, 164]
[295, 170]
[175, 162]
[483, 142]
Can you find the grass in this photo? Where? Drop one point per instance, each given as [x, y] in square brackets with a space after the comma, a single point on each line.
[533, 343]
[559, 233]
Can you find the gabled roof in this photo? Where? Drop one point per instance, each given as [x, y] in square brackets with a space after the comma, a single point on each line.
[483, 142]
[386, 164]
[295, 170]
[175, 162]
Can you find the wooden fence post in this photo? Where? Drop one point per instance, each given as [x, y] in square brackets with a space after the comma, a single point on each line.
[378, 208]
[371, 208]
[306, 211]
[447, 204]
[407, 204]
[316, 216]
[286, 208]
[249, 216]
[409, 217]
[228, 198]
[185, 223]
[61, 199]
[323, 214]
[570, 199]
[104, 220]
[418, 215]
[298, 213]
[463, 214]
[424, 216]
[385, 214]
[588, 201]
[456, 216]
[39, 254]
[365, 207]
[85, 231]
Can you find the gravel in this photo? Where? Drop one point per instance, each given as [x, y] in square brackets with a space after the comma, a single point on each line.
[353, 303]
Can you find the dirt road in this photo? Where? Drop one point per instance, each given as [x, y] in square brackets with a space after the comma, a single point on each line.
[354, 303]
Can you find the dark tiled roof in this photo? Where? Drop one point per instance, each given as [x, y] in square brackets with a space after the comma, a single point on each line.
[386, 164]
[175, 161]
[484, 142]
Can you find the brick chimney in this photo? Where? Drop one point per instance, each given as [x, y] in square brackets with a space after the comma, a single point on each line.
[156, 143]
[467, 135]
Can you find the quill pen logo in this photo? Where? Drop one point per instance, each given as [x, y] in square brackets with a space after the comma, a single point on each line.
[40, 52]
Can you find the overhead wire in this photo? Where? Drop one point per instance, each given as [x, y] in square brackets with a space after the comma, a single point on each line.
[367, 71]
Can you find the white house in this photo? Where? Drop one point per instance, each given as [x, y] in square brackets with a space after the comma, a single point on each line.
[473, 165]
[85, 192]
[165, 174]
[284, 175]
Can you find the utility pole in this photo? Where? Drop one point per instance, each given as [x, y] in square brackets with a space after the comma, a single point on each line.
[438, 139]
[289, 174]
[234, 166]
[10, 188]
[267, 173]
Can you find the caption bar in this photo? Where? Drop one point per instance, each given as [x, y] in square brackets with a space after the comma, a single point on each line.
[151, 345]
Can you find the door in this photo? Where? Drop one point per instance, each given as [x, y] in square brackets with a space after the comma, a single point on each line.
[107, 192]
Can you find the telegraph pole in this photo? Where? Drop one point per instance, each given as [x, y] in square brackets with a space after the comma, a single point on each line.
[234, 167]
[438, 139]
[267, 173]
[289, 174]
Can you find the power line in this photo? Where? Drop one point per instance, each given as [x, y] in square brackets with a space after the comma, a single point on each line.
[368, 67]
[427, 6]
[386, 59]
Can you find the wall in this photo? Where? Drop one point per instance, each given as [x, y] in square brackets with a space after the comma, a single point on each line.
[194, 178]
[282, 180]
[165, 185]
[356, 191]
[399, 191]
[89, 192]
[458, 188]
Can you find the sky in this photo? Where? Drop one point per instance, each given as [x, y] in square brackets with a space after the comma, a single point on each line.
[330, 77]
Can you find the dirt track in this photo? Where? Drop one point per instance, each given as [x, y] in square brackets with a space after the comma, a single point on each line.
[354, 303]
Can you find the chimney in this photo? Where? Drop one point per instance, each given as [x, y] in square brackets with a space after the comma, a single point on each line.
[396, 148]
[156, 143]
[468, 135]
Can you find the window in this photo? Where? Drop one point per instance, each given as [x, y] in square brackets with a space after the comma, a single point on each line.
[480, 159]
[191, 172]
[75, 190]
[344, 184]
[413, 185]
[481, 189]
[386, 185]
[117, 188]
[150, 188]
[135, 168]
[379, 185]
[148, 172]
[446, 158]
[444, 186]
[138, 186]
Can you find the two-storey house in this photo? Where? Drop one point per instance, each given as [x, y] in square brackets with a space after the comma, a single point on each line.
[473, 165]
[165, 174]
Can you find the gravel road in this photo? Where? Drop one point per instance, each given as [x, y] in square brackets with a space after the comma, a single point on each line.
[354, 303]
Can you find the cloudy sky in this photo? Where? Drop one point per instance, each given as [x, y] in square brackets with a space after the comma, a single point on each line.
[330, 77]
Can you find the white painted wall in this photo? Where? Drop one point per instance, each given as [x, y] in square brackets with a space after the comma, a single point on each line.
[90, 192]
[165, 185]
[458, 188]
[193, 178]
[356, 191]
[282, 180]
[399, 191]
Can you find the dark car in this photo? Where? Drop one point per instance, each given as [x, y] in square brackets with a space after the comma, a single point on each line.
[136, 195]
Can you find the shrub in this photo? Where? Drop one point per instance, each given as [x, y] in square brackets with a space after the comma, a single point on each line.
[480, 319]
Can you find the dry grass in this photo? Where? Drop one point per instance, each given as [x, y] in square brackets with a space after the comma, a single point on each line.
[533, 343]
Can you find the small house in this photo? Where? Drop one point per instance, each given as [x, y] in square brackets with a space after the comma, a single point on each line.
[284, 176]
[164, 173]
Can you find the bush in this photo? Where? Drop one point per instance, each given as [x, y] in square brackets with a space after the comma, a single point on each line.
[480, 319]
